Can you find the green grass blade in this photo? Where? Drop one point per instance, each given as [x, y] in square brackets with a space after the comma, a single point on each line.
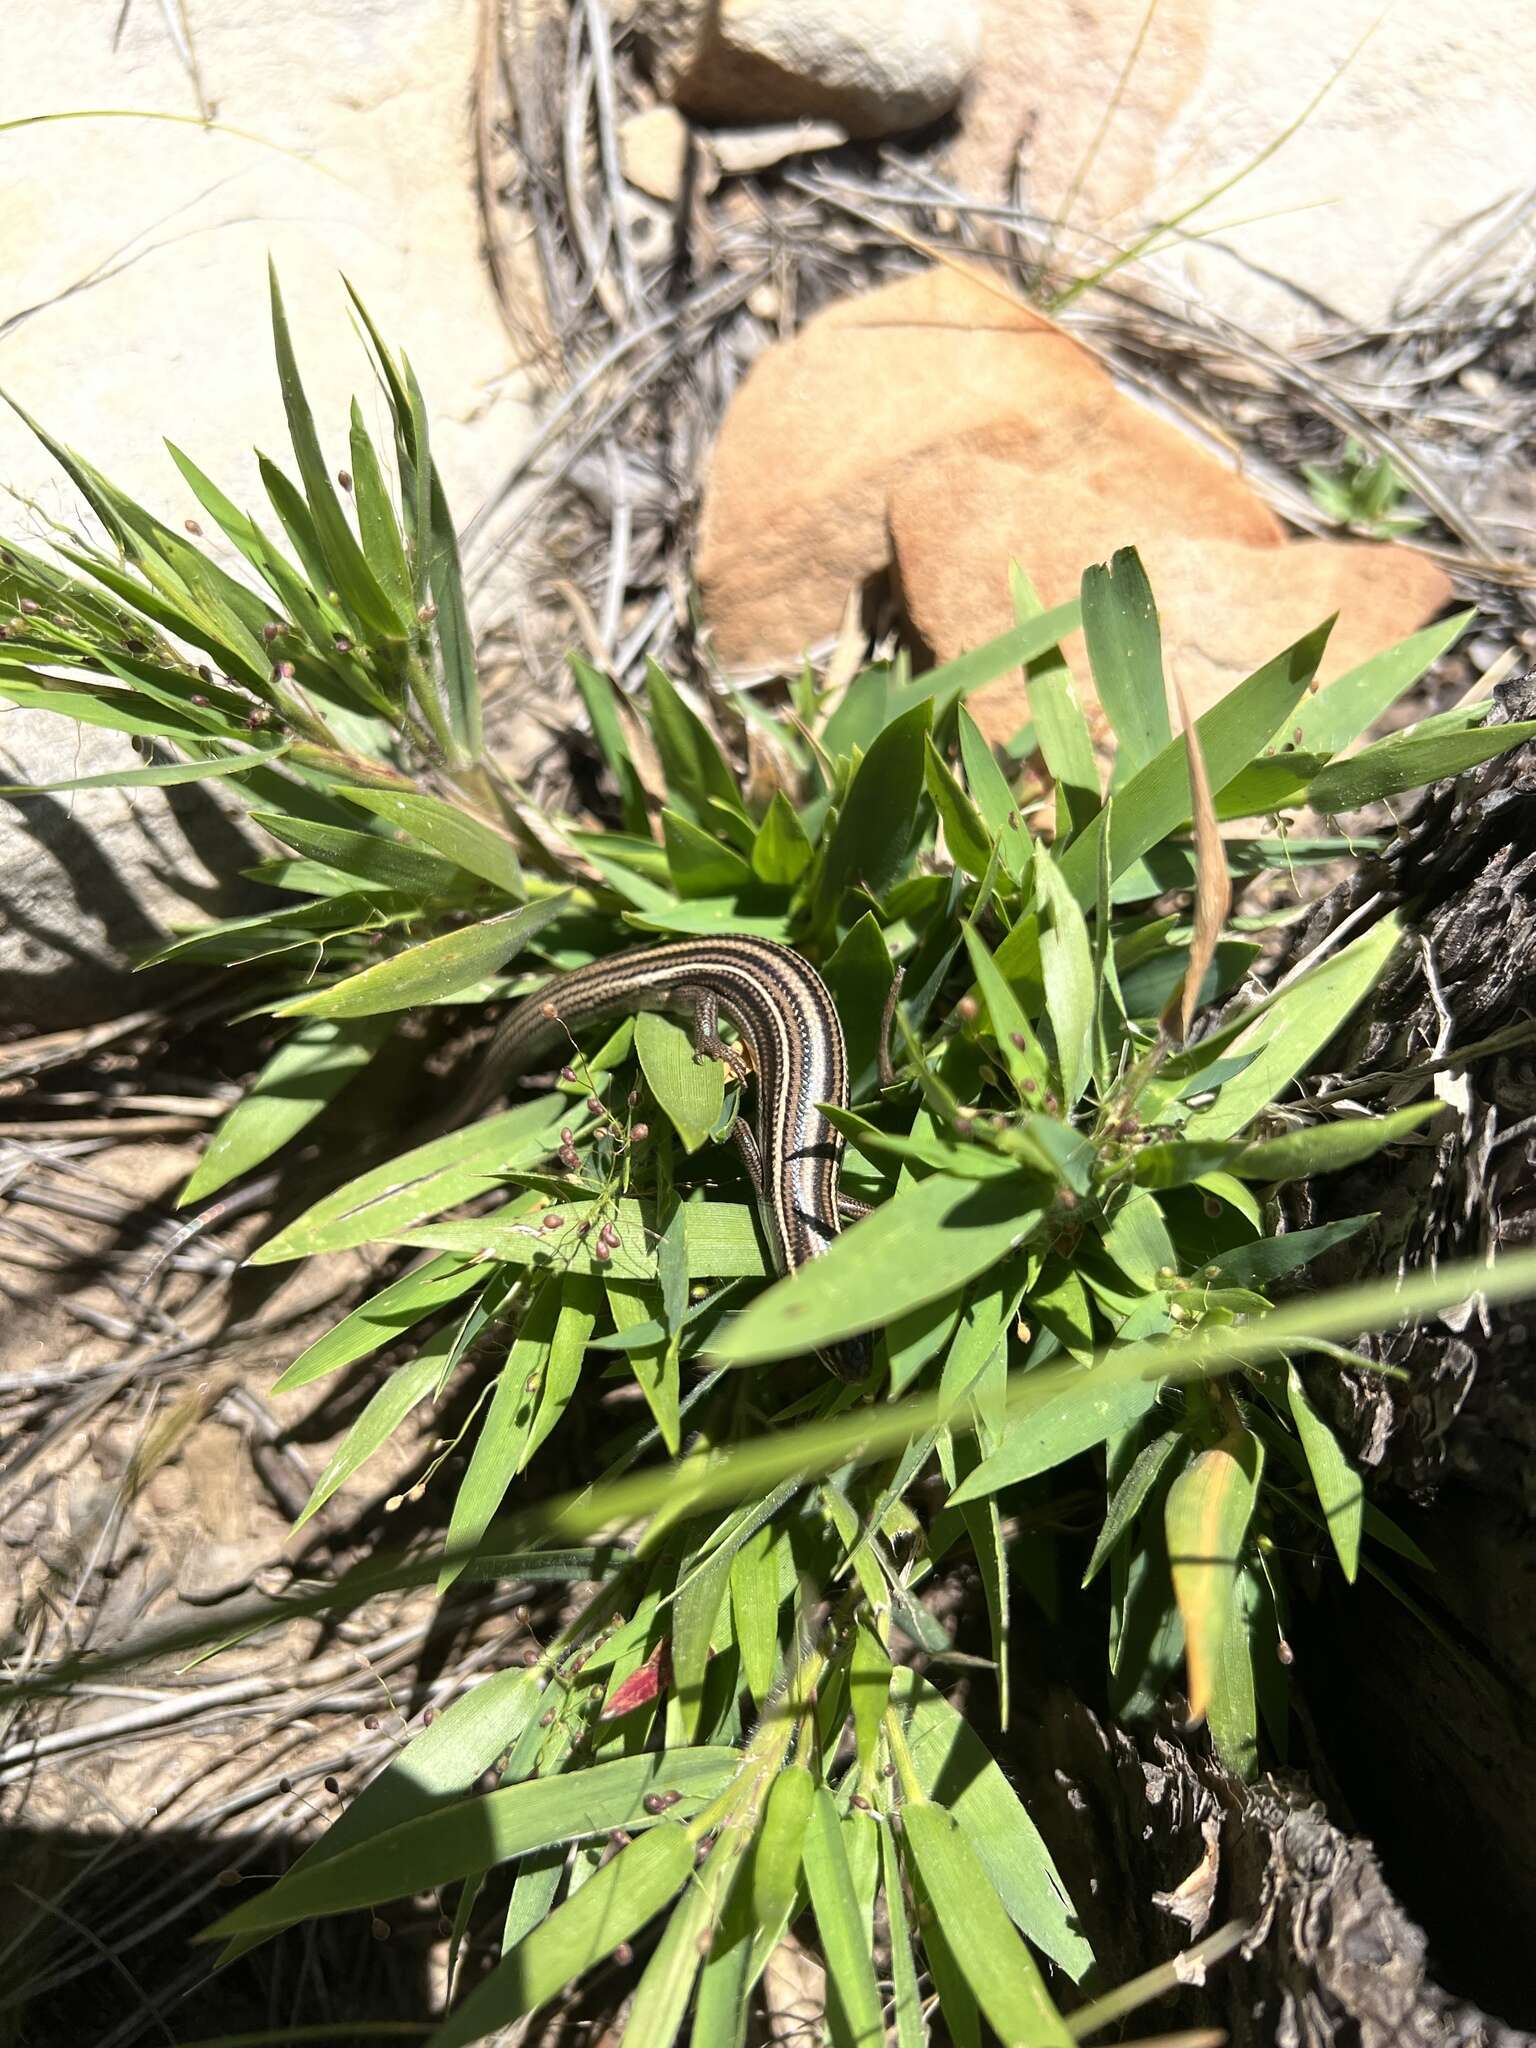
[422, 1182]
[437, 967]
[691, 758]
[177, 616]
[868, 1275]
[906, 1999]
[159, 775]
[481, 1833]
[301, 1079]
[432, 1771]
[1062, 1429]
[993, 798]
[471, 843]
[689, 1091]
[533, 1893]
[1344, 708]
[383, 1318]
[1270, 1258]
[294, 516]
[699, 863]
[781, 852]
[610, 1907]
[1023, 1056]
[579, 1303]
[666, 1986]
[1340, 1494]
[1071, 986]
[1130, 1496]
[1295, 1025]
[874, 831]
[1233, 1713]
[364, 856]
[955, 1768]
[1210, 1505]
[1125, 652]
[132, 529]
[600, 696]
[1328, 1148]
[1061, 728]
[1410, 760]
[853, 1998]
[349, 570]
[457, 674]
[998, 1967]
[969, 841]
[1023, 643]
[317, 621]
[859, 976]
[376, 523]
[402, 1390]
[724, 2004]
[694, 1614]
[755, 1610]
[1233, 732]
[497, 1455]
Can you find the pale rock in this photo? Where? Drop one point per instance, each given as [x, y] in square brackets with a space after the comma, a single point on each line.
[654, 145]
[876, 67]
[825, 425]
[135, 255]
[653, 152]
[1058, 102]
[211, 1572]
[1225, 606]
[91, 878]
[1341, 209]
[740, 151]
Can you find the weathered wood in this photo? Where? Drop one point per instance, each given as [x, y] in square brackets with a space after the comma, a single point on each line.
[1160, 1846]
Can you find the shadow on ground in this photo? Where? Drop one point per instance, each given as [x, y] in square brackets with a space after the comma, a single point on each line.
[99, 1952]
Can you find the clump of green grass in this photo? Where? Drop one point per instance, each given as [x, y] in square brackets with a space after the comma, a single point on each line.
[1363, 492]
[1072, 1265]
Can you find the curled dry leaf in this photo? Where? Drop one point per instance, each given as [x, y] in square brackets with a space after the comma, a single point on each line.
[1213, 884]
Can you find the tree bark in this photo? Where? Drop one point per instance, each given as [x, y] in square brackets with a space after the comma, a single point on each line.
[1159, 1846]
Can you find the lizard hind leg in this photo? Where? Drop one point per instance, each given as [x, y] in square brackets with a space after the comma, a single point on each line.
[709, 1045]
